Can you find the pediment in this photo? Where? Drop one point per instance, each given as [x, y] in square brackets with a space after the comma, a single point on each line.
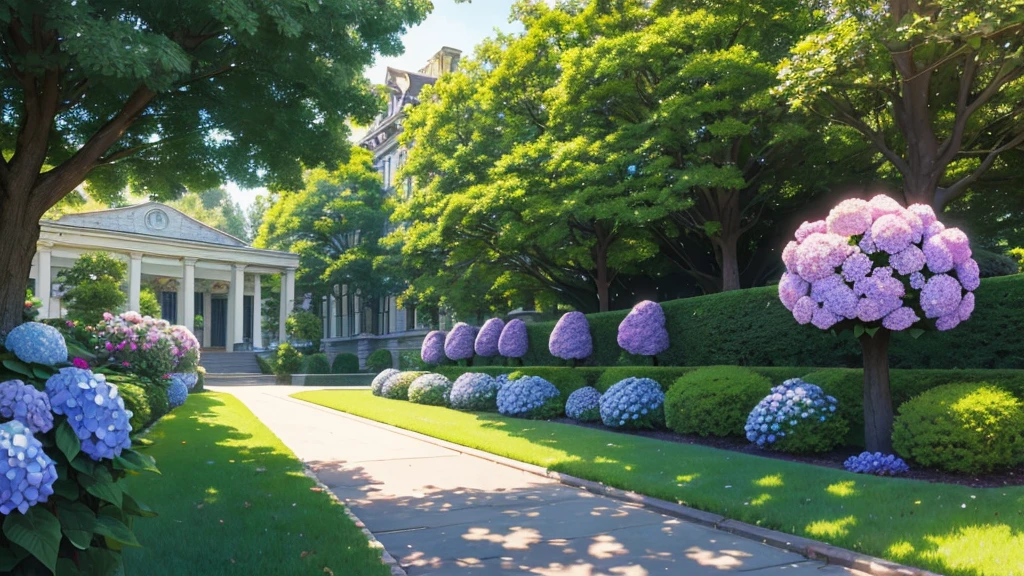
[151, 219]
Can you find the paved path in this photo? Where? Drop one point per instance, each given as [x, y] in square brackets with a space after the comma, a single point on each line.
[440, 512]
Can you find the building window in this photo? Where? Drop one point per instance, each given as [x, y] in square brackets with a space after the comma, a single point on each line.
[169, 306]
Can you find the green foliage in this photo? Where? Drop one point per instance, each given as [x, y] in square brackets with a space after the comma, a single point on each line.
[398, 386]
[316, 364]
[265, 364]
[345, 363]
[149, 305]
[436, 394]
[380, 360]
[971, 428]
[993, 265]
[135, 400]
[714, 401]
[215, 208]
[305, 326]
[93, 286]
[156, 397]
[287, 361]
[663, 375]
[411, 360]
[32, 306]
[200, 381]
[1018, 255]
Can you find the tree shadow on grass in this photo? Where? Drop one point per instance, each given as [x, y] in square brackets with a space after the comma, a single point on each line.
[232, 500]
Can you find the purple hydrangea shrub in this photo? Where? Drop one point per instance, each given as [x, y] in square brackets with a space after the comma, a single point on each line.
[570, 340]
[27, 474]
[796, 417]
[513, 342]
[642, 332]
[458, 344]
[487, 339]
[633, 403]
[22, 402]
[877, 464]
[432, 350]
[584, 405]
[880, 264]
[37, 343]
[94, 409]
[529, 397]
[474, 391]
[430, 389]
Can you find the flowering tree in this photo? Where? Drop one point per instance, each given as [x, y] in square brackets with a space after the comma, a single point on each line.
[458, 345]
[875, 267]
[432, 349]
[642, 332]
[487, 339]
[570, 340]
[514, 341]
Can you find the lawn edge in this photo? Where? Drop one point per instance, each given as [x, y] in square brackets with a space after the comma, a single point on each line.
[812, 549]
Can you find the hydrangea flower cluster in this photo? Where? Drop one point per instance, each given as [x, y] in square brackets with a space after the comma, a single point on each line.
[377, 386]
[529, 397]
[458, 344]
[21, 402]
[397, 387]
[570, 340]
[487, 338]
[514, 341]
[878, 262]
[37, 343]
[642, 331]
[790, 409]
[876, 463]
[430, 389]
[177, 393]
[142, 343]
[474, 391]
[187, 379]
[185, 349]
[633, 403]
[94, 410]
[432, 349]
[584, 405]
[27, 474]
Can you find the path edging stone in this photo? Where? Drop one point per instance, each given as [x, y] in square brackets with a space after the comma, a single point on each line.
[812, 549]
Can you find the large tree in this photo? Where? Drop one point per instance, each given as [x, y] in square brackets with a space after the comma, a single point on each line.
[160, 97]
[934, 85]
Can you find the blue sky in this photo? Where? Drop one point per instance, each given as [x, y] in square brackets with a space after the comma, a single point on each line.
[460, 26]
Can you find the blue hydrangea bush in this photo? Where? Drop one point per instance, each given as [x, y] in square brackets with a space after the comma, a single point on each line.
[877, 464]
[796, 417]
[584, 405]
[177, 393]
[474, 392]
[187, 379]
[633, 403]
[530, 397]
[377, 386]
[430, 389]
[66, 434]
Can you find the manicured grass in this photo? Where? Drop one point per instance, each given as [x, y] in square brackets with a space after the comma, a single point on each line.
[948, 529]
[232, 499]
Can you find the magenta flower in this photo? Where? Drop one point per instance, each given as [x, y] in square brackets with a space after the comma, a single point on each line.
[789, 256]
[514, 340]
[487, 339]
[570, 340]
[924, 212]
[432, 349]
[642, 331]
[957, 243]
[80, 363]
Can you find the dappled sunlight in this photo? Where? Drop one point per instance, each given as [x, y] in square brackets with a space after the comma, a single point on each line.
[843, 489]
[761, 500]
[900, 550]
[605, 546]
[831, 528]
[686, 478]
[770, 481]
[556, 569]
[721, 559]
[979, 545]
[518, 538]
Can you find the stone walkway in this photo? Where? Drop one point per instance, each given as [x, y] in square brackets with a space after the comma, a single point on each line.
[440, 512]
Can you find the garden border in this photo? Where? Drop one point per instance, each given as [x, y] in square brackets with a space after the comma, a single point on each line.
[812, 549]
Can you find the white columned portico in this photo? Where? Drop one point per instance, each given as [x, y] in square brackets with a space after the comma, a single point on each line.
[43, 274]
[287, 301]
[189, 293]
[257, 312]
[236, 307]
[207, 315]
[134, 280]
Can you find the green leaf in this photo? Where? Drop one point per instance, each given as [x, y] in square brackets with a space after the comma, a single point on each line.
[140, 461]
[80, 539]
[136, 508]
[102, 487]
[712, 228]
[19, 367]
[66, 489]
[84, 464]
[858, 330]
[66, 567]
[68, 441]
[41, 374]
[9, 559]
[871, 331]
[116, 530]
[77, 522]
[916, 333]
[37, 531]
[100, 562]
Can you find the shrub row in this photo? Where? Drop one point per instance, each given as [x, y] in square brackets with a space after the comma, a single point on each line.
[752, 328]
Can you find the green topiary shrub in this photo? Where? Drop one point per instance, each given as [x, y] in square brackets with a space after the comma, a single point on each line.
[200, 381]
[994, 264]
[288, 361]
[135, 400]
[663, 375]
[430, 389]
[397, 387]
[714, 401]
[265, 364]
[967, 428]
[380, 360]
[316, 364]
[156, 396]
[345, 363]
[566, 380]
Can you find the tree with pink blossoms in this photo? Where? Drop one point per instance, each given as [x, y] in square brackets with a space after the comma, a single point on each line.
[642, 332]
[432, 349]
[875, 267]
[487, 338]
[571, 340]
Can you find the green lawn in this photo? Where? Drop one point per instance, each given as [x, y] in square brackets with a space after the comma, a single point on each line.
[948, 529]
[232, 499]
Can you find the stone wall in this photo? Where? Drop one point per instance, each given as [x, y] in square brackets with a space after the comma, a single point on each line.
[364, 345]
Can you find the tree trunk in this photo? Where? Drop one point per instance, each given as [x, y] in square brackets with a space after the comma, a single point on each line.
[602, 280]
[20, 231]
[730, 263]
[877, 399]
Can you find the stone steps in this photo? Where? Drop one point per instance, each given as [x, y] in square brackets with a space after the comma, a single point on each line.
[240, 380]
[229, 363]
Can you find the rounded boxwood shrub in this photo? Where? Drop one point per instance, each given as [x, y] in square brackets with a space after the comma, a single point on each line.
[474, 391]
[796, 417]
[200, 380]
[530, 397]
[397, 387]
[714, 401]
[379, 360]
[584, 405]
[135, 400]
[430, 389]
[345, 363]
[156, 396]
[288, 361]
[377, 386]
[316, 364]
[967, 428]
[633, 403]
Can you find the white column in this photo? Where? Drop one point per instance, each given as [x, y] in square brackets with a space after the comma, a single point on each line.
[357, 303]
[257, 312]
[282, 331]
[324, 319]
[134, 280]
[207, 304]
[189, 293]
[236, 306]
[43, 276]
[343, 330]
[392, 315]
[335, 317]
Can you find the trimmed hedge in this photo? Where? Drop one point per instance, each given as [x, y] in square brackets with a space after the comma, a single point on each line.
[752, 328]
[345, 363]
[714, 401]
[380, 360]
[316, 364]
[135, 400]
[567, 380]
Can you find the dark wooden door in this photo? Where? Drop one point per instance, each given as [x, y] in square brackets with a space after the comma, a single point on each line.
[218, 319]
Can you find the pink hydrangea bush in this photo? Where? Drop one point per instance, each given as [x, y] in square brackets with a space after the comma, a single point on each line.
[144, 344]
[876, 263]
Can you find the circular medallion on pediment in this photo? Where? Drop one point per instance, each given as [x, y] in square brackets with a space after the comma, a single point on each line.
[157, 219]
